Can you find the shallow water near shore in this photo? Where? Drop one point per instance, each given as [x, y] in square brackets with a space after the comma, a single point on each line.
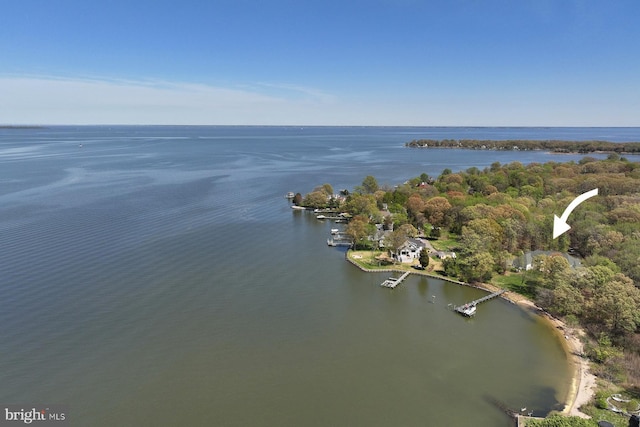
[157, 276]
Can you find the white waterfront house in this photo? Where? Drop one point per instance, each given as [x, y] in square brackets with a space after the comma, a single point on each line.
[409, 251]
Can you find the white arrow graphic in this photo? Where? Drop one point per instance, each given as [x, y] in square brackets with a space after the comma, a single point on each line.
[560, 225]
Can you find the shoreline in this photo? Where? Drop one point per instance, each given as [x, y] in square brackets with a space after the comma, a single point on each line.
[581, 390]
[602, 152]
[584, 147]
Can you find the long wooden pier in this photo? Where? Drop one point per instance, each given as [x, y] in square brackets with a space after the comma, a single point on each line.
[469, 309]
[392, 282]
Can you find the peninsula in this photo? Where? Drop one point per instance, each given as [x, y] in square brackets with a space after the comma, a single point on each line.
[19, 127]
[493, 228]
[555, 146]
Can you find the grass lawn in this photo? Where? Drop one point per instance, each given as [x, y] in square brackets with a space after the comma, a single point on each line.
[445, 243]
[513, 282]
[617, 420]
[367, 259]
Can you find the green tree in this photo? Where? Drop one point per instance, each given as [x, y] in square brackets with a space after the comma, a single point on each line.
[370, 184]
[327, 189]
[424, 258]
[566, 300]
[604, 350]
[359, 231]
[512, 234]
[476, 267]
[396, 238]
[451, 267]
[482, 235]
[555, 270]
[615, 305]
[502, 260]
[362, 204]
[408, 230]
[400, 219]
[316, 199]
[558, 420]
[590, 279]
[627, 258]
[601, 261]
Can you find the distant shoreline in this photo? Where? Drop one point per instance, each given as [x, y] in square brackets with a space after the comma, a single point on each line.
[553, 146]
[18, 127]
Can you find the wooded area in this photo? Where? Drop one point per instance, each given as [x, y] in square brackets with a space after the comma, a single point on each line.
[556, 146]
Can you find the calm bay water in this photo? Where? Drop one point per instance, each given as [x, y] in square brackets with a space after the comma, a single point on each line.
[157, 276]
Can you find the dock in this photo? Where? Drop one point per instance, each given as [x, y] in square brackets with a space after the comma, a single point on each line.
[341, 217]
[335, 218]
[339, 242]
[469, 309]
[392, 282]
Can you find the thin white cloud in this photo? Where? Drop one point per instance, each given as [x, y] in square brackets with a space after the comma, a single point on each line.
[51, 100]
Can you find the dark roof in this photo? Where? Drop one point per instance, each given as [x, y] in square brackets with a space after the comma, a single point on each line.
[419, 243]
[526, 259]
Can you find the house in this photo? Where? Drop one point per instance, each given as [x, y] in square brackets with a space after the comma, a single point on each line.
[409, 251]
[379, 236]
[525, 262]
[445, 255]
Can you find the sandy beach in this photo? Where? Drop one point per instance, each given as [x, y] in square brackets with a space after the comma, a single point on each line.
[582, 386]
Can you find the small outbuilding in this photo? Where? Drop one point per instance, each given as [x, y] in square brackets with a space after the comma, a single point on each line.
[445, 254]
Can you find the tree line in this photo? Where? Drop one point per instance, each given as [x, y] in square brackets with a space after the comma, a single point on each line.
[556, 146]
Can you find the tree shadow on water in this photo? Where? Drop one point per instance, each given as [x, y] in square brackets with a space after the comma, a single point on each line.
[538, 404]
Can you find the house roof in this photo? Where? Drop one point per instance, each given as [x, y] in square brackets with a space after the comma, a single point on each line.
[415, 243]
[527, 259]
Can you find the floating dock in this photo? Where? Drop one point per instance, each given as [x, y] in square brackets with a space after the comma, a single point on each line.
[469, 309]
[392, 282]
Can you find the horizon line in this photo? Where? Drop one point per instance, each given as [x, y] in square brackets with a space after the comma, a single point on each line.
[45, 125]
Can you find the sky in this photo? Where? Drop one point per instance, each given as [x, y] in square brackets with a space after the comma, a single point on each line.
[308, 62]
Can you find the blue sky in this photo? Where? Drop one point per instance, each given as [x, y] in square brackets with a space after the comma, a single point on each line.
[376, 62]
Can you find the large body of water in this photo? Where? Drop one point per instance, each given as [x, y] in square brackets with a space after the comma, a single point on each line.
[157, 276]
